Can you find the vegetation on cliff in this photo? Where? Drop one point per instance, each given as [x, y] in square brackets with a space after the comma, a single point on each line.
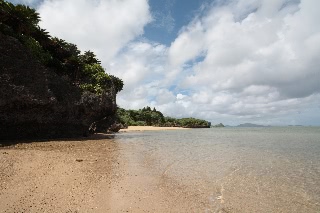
[48, 88]
[82, 70]
[153, 117]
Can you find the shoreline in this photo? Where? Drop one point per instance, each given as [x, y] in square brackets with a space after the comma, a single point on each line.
[94, 175]
[150, 128]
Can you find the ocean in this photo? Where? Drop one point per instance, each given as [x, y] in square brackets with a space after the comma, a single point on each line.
[274, 169]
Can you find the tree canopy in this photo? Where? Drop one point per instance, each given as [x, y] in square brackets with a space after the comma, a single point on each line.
[82, 70]
[151, 117]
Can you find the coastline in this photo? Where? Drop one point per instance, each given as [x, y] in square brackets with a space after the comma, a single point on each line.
[95, 174]
[160, 172]
[150, 128]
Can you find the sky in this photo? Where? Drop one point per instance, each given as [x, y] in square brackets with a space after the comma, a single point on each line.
[229, 61]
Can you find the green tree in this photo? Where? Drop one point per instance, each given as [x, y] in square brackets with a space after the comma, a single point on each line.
[65, 59]
[22, 19]
[89, 58]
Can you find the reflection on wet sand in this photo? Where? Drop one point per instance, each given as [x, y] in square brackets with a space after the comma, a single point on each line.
[143, 189]
[227, 171]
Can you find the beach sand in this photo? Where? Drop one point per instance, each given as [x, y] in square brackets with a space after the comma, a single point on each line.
[57, 176]
[150, 128]
[95, 174]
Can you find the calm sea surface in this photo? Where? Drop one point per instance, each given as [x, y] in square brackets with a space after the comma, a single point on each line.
[274, 169]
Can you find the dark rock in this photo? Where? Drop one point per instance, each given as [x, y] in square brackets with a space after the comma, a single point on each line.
[115, 127]
[37, 103]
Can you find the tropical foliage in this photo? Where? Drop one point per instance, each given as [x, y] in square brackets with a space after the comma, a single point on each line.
[82, 70]
[152, 117]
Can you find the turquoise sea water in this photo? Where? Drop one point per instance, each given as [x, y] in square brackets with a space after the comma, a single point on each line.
[274, 169]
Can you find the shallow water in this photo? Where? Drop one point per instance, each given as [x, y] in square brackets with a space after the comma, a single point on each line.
[274, 169]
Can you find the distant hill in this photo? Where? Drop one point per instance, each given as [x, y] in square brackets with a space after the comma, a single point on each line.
[218, 125]
[250, 125]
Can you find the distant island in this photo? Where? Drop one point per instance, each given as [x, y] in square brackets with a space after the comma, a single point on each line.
[152, 117]
[251, 125]
[218, 125]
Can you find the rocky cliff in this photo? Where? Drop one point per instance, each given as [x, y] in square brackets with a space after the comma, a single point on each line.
[37, 103]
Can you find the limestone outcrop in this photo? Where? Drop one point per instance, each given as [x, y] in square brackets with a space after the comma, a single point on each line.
[37, 103]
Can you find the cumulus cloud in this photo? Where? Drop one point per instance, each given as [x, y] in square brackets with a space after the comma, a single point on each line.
[256, 61]
[184, 48]
[139, 63]
[236, 61]
[261, 57]
[103, 26]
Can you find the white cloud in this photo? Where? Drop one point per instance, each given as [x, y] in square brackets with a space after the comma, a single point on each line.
[103, 26]
[247, 61]
[237, 61]
[258, 62]
[139, 63]
[184, 48]
[164, 96]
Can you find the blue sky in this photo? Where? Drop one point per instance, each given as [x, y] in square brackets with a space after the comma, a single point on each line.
[169, 17]
[233, 61]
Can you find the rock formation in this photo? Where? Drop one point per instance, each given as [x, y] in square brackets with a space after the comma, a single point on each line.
[37, 103]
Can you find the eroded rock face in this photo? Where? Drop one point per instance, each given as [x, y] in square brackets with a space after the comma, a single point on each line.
[37, 103]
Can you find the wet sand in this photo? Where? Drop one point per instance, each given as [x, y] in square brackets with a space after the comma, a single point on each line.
[92, 175]
[150, 128]
[164, 171]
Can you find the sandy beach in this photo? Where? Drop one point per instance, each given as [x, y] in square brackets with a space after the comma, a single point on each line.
[82, 175]
[57, 176]
[169, 171]
[150, 128]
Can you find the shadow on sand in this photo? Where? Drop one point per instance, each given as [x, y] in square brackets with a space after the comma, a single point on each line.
[97, 136]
